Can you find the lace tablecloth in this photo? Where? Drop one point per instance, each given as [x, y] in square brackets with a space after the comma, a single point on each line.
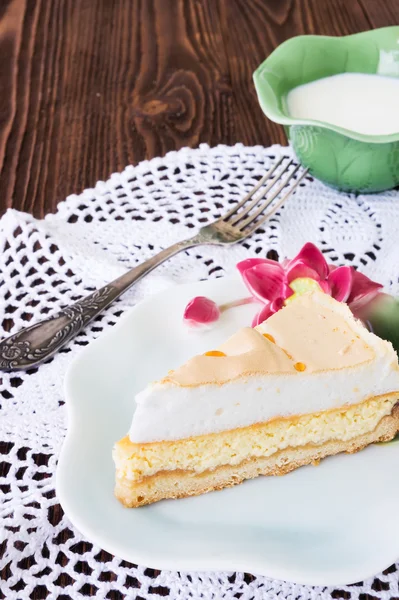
[93, 238]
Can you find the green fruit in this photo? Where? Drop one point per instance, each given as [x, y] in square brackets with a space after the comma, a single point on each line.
[382, 317]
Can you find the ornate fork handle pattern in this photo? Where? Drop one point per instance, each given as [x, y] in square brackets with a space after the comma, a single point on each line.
[32, 345]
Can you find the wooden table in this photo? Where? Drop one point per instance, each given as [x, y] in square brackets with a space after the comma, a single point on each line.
[89, 86]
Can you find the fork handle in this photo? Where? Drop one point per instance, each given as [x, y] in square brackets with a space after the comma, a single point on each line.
[32, 345]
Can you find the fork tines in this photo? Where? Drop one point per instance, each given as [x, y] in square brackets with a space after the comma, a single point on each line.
[275, 187]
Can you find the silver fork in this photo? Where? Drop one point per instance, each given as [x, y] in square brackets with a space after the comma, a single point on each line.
[32, 345]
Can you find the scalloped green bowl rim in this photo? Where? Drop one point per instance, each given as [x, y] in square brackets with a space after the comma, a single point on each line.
[278, 73]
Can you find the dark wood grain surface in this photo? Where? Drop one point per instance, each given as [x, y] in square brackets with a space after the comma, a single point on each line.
[89, 86]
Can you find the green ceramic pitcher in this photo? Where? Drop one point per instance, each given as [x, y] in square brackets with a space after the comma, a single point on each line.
[339, 157]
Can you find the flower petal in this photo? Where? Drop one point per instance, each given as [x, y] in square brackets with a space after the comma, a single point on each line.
[340, 281]
[267, 311]
[363, 290]
[201, 310]
[325, 286]
[266, 281]
[300, 270]
[277, 304]
[252, 262]
[261, 316]
[313, 258]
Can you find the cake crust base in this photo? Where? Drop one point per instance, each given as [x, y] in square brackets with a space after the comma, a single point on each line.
[182, 483]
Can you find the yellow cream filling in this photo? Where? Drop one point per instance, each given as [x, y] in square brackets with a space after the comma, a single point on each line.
[135, 461]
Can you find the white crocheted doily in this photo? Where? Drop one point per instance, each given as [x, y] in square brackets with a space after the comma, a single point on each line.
[93, 238]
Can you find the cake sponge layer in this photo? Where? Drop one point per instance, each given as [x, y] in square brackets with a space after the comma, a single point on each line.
[182, 483]
[207, 452]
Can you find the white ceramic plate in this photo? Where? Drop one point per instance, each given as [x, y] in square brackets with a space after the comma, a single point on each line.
[329, 525]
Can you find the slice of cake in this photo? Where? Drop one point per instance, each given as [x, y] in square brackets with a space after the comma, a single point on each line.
[309, 382]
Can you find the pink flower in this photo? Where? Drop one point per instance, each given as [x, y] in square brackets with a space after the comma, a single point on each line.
[273, 283]
[201, 310]
[363, 290]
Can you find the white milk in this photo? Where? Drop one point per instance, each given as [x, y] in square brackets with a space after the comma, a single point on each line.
[364, 103]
